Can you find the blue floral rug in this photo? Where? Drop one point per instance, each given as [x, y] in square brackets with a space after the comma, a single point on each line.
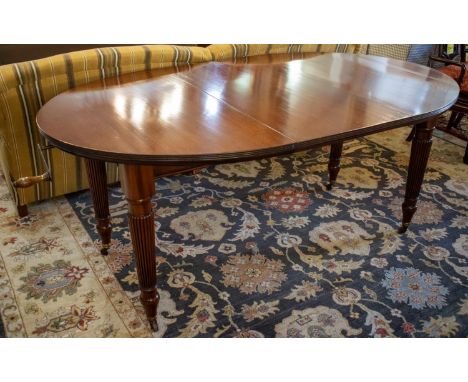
[262, 249]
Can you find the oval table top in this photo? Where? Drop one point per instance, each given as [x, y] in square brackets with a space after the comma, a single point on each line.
[225, 111]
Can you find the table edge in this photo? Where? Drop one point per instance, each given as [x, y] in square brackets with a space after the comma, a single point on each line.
[242, 155]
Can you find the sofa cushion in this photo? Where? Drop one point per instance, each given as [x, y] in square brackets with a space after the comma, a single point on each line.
[223, 52]
[26, 86]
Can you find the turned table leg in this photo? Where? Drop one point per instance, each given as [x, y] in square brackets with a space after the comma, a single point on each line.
[97, 179]
[138, 185]
[420, 149]
[334, 163]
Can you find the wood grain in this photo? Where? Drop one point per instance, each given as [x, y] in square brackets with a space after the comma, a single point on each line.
[223, 111]
[138, 186]
[420, 150]
[234, 111]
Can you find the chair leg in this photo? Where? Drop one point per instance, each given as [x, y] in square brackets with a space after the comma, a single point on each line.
[411, 135]
[334, 163]
[453, 117]
[457, 120]
[22, 210]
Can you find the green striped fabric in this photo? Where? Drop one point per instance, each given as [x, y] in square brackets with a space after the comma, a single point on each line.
[26, 86]
[223, 52]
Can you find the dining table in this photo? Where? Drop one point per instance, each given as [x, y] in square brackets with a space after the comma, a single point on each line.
[238, 110]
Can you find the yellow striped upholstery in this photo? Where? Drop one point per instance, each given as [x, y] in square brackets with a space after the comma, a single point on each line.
[26, 86]
[223, 52]
[395, 51]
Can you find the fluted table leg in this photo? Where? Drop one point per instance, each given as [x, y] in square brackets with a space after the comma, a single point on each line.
[138, 185]
[97, 179]
[420, 150]
[334, 163]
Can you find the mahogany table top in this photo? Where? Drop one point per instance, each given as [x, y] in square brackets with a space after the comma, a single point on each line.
[225, 111]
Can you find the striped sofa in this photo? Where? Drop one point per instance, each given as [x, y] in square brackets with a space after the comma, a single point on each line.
[26, 86]
[222, 52]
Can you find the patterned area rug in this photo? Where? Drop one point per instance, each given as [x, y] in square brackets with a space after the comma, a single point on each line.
[54, 282]
[254, 249]
[262, 249]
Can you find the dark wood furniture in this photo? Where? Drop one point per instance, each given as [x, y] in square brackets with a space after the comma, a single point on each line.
[453, 65]
[456, 53]
[221, 112]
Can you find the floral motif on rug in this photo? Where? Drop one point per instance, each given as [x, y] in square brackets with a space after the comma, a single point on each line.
[49, 281]
[75, 318]
[263, 249]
